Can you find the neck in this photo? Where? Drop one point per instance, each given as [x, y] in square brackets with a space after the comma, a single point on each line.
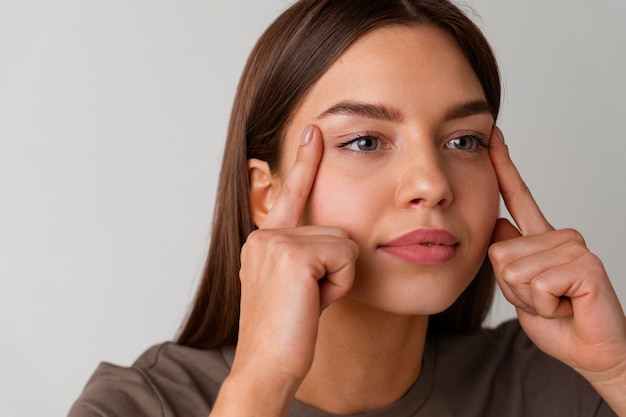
[365, 359]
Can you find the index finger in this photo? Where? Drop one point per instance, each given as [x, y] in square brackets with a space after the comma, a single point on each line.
[515, 193]
[289, 205]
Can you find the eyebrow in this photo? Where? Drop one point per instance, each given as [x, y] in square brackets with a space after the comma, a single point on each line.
[469, 108]
[366, 110]
[389, 114]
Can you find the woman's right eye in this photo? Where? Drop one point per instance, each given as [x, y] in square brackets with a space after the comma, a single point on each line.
[362, 144]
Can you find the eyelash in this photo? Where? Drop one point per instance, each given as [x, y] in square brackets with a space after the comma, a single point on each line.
[359, 137]
[480, 142]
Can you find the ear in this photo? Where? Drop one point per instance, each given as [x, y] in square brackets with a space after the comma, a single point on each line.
[264, 187]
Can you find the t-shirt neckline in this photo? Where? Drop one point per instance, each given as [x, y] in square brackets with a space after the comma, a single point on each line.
[408, 405]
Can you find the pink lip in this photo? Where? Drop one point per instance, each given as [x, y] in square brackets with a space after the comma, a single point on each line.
[423, 246]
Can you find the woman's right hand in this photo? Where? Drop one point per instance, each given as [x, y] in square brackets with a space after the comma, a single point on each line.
[289, 274]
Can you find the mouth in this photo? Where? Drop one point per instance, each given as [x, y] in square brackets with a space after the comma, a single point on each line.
[423, 246]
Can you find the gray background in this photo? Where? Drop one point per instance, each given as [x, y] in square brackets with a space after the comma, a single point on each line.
[112, 119]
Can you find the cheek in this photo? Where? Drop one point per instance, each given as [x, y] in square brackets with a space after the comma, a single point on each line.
[339, 198]
[492, 195]
[478, 197]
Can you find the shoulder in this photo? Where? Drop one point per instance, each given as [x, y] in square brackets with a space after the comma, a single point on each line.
[166, 380]
[504, 367]
[487, 348]
[497, 346]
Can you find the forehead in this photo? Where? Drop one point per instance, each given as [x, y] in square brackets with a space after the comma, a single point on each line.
[403, 63]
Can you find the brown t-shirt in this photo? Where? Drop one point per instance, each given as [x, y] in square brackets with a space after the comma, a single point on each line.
[490, 373]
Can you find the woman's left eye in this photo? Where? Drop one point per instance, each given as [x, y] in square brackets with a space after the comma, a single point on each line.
[467, 143]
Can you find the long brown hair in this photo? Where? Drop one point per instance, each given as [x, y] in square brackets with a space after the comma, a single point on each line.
[287, 60]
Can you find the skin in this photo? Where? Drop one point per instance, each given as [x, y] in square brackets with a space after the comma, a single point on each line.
[414, 179]
[325, 213]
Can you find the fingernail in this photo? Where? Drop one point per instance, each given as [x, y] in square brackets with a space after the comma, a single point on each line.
[307, 135]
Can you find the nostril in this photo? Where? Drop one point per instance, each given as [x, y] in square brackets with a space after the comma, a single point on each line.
[430, 202]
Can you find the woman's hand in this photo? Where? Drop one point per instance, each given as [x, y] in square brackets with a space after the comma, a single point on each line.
[563, 297]
[289, 274]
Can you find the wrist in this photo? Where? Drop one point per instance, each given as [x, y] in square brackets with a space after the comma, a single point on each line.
[245, 394]
[612, 387]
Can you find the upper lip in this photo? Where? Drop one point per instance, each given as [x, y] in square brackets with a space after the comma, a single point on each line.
[424, 237]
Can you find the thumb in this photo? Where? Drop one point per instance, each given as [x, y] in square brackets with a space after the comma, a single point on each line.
[504, 230]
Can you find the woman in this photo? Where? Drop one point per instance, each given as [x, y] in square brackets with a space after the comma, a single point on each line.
[348, 263]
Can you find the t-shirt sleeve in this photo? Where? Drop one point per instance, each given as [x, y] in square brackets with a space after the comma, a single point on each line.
[114, 391]
[167, 380]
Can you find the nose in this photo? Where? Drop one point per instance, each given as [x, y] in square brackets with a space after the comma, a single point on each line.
[423, 181]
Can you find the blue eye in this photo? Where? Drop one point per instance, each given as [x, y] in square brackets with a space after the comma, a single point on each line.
[467, 143]
[362, 144]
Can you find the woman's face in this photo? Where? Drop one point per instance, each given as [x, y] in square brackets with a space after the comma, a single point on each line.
[405, 169]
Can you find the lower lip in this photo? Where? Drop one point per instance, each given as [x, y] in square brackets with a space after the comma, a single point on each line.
[421, 254]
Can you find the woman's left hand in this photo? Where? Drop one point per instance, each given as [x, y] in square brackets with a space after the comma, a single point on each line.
[562, 294]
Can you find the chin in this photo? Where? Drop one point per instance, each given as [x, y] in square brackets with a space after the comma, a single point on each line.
[409, 302]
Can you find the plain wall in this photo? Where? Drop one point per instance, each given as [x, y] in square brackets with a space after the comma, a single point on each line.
[112, 120]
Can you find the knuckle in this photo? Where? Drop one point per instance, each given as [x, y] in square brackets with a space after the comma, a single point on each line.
[594, 260]
[594, 264]
[286, 251]
[267, 243]
[254, 241]
[494, 251]
[281, 249]
[348, 251]
[538, 286]
[574, 249]
[572, 235]
[512, 298]
[511, 276]
[497, 252]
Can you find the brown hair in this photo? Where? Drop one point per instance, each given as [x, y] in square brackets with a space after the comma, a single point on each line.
[287, 60]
